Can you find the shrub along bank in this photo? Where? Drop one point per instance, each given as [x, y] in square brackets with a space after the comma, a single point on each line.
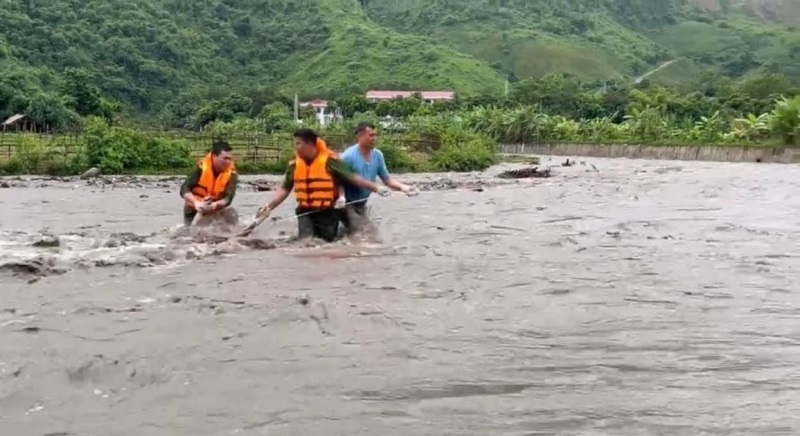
[122, 150]
[452, 141]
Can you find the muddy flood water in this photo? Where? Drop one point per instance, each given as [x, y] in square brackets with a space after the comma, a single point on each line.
[625, 298]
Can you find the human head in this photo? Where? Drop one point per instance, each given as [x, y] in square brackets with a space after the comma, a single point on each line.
[305, 143]
[366, 134]
[221, 155]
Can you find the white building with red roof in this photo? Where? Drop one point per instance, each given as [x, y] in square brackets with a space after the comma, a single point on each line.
[322, 109]
[427, 96]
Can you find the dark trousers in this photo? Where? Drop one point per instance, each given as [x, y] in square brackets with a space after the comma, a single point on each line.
[319, 223]
[354, 217]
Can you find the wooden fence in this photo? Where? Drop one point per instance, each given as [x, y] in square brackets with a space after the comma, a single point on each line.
[248, 147]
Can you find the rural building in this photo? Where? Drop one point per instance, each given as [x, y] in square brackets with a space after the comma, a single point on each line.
[325, 114]
[427, 96]
[19, 123]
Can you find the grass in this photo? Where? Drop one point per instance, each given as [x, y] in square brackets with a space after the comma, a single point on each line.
[692, 38]
[680, 72]
[533, 45]
[360, 54]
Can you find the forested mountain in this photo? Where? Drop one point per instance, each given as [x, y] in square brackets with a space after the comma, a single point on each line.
[76, 57]
[608, 39]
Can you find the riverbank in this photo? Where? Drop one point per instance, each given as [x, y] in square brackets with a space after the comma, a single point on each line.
[711, 153]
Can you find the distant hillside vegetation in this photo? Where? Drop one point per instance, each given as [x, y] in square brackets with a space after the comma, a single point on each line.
[66, 58]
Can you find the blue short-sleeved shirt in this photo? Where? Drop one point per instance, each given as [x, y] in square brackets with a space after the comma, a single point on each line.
[369, 169]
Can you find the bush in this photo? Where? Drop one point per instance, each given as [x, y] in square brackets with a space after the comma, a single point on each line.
[115, 150]
[785, 120]
[464, 150]
[472, 156]
[397, 157]
[33, 156]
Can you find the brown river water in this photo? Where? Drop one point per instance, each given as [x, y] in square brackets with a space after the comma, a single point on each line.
[628, 298]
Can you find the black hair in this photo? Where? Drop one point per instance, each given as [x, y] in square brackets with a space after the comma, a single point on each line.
[219, 146]
[362, 127]
[307, 135]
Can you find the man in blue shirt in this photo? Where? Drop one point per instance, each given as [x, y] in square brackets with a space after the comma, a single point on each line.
[366, 161]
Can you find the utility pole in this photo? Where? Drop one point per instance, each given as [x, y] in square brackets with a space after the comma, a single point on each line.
[296, 108]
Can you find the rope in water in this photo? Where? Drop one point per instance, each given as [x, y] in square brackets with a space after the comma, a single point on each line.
[313, 211]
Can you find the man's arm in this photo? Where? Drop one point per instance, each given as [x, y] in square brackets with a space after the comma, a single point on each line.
[186, 188]
[383, 173]
[283, 191]
[342, 172]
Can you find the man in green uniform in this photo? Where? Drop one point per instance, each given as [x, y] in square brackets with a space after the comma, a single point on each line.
[210, 188]
[316, 176]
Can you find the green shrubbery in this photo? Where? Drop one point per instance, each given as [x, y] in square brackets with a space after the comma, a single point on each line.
[453, 141]
[645, 125]
[33, 156]
[785, 120]
[116, 149]
[399, 159]
[113, 150]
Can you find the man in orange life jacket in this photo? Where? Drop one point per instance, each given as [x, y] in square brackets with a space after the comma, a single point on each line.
[210, 188]
[317, 175]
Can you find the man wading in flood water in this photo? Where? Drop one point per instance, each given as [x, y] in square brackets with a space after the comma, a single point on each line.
[210, 188]
[367, 162]
[316, 175]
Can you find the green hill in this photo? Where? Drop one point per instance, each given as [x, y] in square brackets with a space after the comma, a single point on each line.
[59, 56]
[361, 54]
[608, 39]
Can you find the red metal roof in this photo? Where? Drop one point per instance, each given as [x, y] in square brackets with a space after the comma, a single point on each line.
[426, 95]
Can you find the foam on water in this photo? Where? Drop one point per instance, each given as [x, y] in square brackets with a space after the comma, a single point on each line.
[621, 297]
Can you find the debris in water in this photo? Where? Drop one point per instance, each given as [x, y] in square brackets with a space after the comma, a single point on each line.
[261, 185]
[122, 239]
[47, 241]
[257, 244]
[91, 173]
[525, 173]
[568, 163]
[445, 184]
[37, 267]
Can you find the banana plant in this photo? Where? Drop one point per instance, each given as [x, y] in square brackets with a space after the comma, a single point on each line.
[785, 120]
[708, 129]
[750, 127]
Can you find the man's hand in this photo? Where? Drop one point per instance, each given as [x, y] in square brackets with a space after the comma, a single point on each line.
[409, 190]
[383, 191]
[263, 212]
[340, 202]
[215, 205]
[205, 206]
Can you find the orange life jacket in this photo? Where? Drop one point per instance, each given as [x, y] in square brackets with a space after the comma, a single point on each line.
[314, 186]
[208, 185]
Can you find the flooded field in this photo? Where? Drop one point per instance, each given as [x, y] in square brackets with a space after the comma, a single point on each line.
[615, 298]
